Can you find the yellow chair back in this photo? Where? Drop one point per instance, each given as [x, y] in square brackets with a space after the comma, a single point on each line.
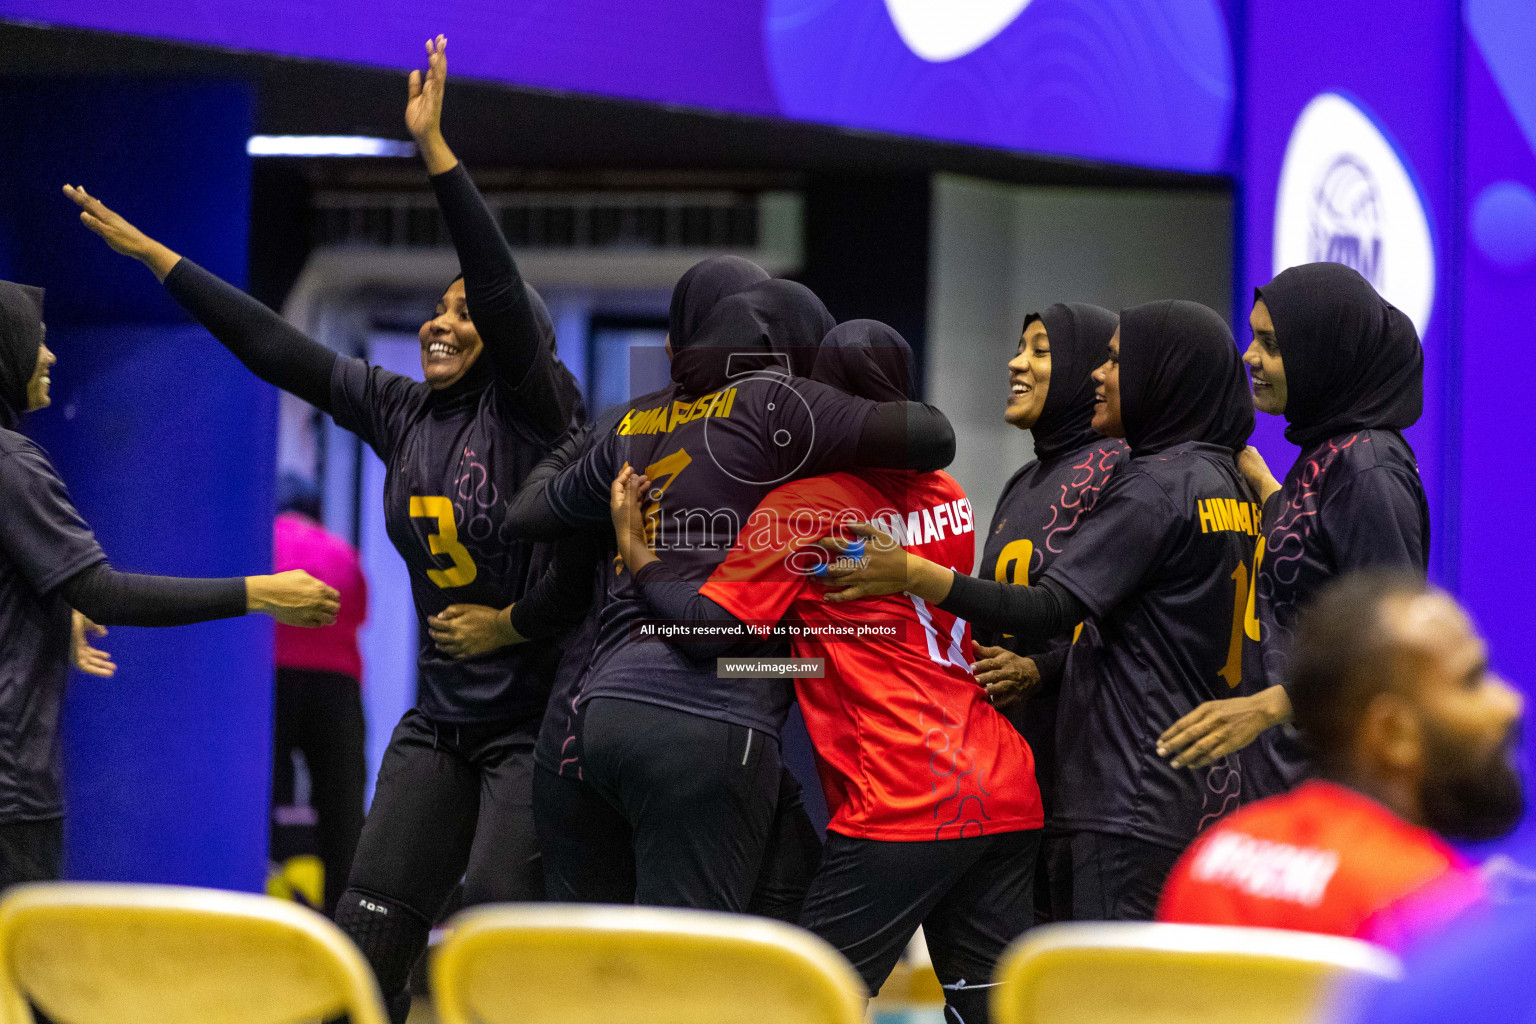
[157, 954]
[637, 965]
[1135, 973]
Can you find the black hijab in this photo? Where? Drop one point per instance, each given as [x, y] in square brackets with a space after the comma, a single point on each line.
[21, 332]
[869, 359]
[1181, 378]
[702, 287]
[764, 327]
[1079, 335]
[1352, 360]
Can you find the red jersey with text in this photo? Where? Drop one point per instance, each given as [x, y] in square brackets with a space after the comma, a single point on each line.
[907, 746]
[1321, 859]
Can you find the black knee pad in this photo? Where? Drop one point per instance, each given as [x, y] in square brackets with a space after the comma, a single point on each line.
[391, 935]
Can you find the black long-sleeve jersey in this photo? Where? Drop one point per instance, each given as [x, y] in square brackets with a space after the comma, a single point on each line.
[453, 457]
[711, 459]
[1352, 502]
[1040, 509]
[1163, 565]
[49, 562]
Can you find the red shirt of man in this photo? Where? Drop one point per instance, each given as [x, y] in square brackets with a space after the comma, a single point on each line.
[1391, 686]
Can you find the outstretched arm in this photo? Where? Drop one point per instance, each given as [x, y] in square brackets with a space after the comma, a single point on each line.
[104, 595]
[55, 551]
[268, 345]
[499, 305]
[881, 566]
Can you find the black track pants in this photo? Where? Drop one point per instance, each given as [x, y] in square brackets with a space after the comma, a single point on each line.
[697, 794]
[972, 896]
[451, 802]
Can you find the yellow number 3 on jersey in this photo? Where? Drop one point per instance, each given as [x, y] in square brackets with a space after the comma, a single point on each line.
[445, 542]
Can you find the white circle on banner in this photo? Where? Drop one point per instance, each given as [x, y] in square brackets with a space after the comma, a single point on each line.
[943, 30]
[1346, 196]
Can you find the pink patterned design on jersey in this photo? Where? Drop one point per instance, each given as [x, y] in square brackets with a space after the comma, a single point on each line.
[1078, 496]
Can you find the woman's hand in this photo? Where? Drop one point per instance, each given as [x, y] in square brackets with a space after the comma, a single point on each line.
[122, 236]
[1007, 677]
[626, 506]
[465, 630]
[85, 657]
[880, 566]
[294, 598]
[424, 108]
[1256, 471]
[1218, 728]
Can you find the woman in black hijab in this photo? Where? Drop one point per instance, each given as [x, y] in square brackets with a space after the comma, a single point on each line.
[454, 794]
[481, 629]
[1161, 565]
[1346, 370]
[56, 585]
[664, 740]
[935, 813]
[700, 290]
[1050, 394]
[586, 846]
[772, 325]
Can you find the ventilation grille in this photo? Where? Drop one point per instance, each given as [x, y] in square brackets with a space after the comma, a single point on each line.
[696, 220]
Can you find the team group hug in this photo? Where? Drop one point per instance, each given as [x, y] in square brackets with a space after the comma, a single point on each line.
[1174, 686]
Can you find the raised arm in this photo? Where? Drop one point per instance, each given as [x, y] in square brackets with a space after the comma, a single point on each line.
[516, 341]
[269, 346]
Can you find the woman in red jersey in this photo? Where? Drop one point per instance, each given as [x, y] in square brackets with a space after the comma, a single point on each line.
[935, 812]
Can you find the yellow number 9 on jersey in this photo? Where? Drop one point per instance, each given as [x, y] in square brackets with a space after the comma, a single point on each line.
[445, 542]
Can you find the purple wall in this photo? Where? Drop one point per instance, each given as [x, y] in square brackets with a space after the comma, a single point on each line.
[1458, 109]
[168, 447]
[1498, 281]
[1147, 82]
[1401, 73]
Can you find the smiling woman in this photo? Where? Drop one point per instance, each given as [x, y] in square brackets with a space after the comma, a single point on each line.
[54, 579]
[1051, 394]
[454, 795]
[38, 395]
[1029, 375]
[1266, 369]
[449, 342]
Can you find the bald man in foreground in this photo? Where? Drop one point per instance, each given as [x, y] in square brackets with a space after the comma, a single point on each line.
[1413, 737]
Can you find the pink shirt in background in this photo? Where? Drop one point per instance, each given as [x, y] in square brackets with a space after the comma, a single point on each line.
[301, 543]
